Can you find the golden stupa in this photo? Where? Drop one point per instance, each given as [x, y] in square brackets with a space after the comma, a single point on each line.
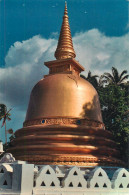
[63, 124]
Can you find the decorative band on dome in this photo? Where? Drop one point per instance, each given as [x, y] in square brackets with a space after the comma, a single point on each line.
[71, 160]
[64, 121]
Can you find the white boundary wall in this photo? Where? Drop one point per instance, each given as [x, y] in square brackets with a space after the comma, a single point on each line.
[21, 178]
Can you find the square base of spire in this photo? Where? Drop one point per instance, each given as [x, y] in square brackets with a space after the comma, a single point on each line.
[64, 65]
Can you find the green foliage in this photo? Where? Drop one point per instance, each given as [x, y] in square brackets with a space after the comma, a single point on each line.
[3, 110]
[114, 99]
[114, 105]
[4, 114]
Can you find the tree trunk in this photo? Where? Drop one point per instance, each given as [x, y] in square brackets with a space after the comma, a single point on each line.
[5, 133]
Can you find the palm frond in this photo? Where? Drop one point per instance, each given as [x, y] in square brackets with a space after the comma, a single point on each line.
[124, 78]
[8, 111]
[123, 72]
[8, 118]
[108, 77]
[1, 117]
[89, 74]
[115, 75]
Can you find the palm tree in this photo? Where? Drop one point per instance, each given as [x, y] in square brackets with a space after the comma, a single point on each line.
[92, 79]
[115, 77]
[5, 115]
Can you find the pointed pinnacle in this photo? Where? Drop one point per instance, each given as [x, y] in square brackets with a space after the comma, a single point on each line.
[65, 45]
[65, 11]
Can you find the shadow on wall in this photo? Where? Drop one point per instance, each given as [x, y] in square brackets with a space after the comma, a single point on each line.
[92, 110]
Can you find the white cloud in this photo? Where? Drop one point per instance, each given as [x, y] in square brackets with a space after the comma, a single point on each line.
[99, 53]
[24, 62]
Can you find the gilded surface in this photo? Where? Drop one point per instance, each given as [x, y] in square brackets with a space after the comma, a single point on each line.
[64, 121]
[70, 63]
[58, 69]
[80, 161]
[65, 46]
[64, 95]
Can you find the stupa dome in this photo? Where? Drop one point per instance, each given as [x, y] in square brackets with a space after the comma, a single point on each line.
[64, 95]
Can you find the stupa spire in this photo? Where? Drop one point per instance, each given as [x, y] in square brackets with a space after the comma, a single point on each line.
[65, 11]
[65, 46]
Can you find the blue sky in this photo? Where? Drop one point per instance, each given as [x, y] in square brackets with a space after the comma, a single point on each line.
[22, 19]
[29, 30]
